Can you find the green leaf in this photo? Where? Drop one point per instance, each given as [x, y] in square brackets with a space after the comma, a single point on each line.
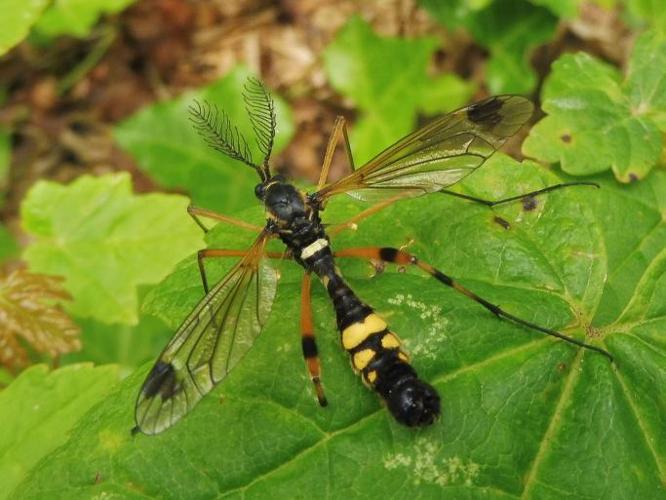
[127, 346]
[106, 241]
[8, 246]
[5, 160]
[565, 9]
[523, 414]
[76, 17]
[38, 411]
[176, 296]
[454, 14]
[596, 122]
[632, 219]
[646, 12]
[17, 19]
[509, 29]
[165, 145]
[645, 85]
[445, 93]
[386, 78]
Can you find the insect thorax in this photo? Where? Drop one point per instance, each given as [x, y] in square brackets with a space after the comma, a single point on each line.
[295, 221]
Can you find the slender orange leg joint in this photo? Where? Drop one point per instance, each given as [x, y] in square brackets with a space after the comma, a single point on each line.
[330, 149]
[339, 130]
[308, 342]
[352, 223]
[402, 258]
[196, 212]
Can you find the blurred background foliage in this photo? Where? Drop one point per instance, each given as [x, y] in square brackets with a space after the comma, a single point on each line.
[98, 160]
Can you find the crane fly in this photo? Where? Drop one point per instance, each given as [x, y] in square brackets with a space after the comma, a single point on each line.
[224, 325]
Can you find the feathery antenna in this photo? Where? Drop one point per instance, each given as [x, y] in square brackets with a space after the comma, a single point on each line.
[261, 110]
[217, 130]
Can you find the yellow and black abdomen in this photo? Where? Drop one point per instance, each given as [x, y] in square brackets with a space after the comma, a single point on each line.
[377, 356]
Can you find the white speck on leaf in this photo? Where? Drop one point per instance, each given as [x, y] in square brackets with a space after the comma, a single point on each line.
[284, 347]
[425, 343]
[426, 467]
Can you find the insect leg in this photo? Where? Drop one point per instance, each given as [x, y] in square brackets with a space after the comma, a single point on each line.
[401, 257]
[196, 212]
[217, 252]
[350, 157]
[351, 223]
[308, 342]
[339, 128]
[531, 194]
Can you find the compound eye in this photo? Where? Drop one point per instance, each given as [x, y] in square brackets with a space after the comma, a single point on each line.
[260, 191]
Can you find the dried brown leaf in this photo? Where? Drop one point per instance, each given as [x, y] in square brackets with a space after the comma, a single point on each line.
[29, 311]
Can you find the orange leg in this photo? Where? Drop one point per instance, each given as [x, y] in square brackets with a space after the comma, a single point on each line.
[339, 129]
[526, 198]
[352, 223]
[196, 212]
[308, 342]
[400, 257]
[216, 252]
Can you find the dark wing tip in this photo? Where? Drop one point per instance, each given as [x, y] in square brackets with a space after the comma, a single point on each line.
[484, 111]
[501, 115]
[161, 380]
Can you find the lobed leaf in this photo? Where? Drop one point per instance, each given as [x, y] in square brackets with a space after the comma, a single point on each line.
[386, 78]
[524, 415]
[105, 241]
[596, 121]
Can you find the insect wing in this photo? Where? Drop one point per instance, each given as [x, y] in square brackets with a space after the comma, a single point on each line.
[210, 342]
[439, 154]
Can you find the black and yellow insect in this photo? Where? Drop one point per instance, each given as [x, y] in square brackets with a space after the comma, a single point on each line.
[223, 326]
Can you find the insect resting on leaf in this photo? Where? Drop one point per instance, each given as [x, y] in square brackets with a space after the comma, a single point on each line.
[223, 326]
